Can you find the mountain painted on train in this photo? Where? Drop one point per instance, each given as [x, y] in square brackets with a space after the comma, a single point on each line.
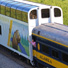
[61, 3]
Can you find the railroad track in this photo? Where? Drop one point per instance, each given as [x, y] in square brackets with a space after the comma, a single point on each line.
[15, 57]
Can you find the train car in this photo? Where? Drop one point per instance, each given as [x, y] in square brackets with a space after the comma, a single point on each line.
[17, 20]
[51, 45]
[47, 13]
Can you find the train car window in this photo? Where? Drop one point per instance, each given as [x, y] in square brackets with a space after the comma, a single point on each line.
[57, 12]
[0, 9]
[65, 57]
[7, 11]
[33, 14]
[34, 37]
[45, 49]
[0, 30]
[45, 13]
[3, 10]
[18, 14]
[13, 13]
[55, 54]
[38, 32]
[25, 16]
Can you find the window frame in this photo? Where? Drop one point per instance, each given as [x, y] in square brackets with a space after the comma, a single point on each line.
[0, 9]
[46, 46]
[19, 15]
[14, 13]
[55, 52]
[55, 15]
[64, 57]
[0, 30]
[25, 19]
[45, 14]
[34, 15]
[6, 11]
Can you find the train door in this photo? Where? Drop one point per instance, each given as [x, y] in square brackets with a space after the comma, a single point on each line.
[56, 15]
[33, 18]
[45, 15]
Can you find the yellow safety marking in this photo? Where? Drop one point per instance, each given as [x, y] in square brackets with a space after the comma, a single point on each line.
[9, 36]
[50, 40]
[49, 60]
[38, 46]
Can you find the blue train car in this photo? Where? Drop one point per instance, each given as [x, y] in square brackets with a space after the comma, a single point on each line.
[51, 45]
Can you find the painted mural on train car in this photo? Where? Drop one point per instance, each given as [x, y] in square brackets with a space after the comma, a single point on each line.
[19, 35]
[15, 34]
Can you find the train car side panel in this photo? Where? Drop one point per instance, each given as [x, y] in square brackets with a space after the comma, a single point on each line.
[51, 55]
[14, 35]
[49, 60]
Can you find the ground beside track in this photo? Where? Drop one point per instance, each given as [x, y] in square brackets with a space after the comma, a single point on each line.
[8, 60]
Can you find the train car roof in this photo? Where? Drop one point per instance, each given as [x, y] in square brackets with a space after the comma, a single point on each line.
[53, 31]
[34, 3]
[18, 5]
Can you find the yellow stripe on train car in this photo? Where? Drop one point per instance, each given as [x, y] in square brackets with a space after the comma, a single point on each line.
[38, 46]
[50, 40]
[9, 36]
[48, 60]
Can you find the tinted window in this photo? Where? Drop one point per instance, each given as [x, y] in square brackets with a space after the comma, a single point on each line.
[57, 12]
[34, 37]
[13, 13]
[38, 32]
[33, 14]
[45, 49]
[45, 13]
[25, 17]
[0, 30]
[65, 57]
[3, 10]
[0, 9]
[55, 54]
[7, 11]
[18, 14]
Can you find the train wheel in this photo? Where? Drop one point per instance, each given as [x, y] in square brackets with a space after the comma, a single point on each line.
[42, 66]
